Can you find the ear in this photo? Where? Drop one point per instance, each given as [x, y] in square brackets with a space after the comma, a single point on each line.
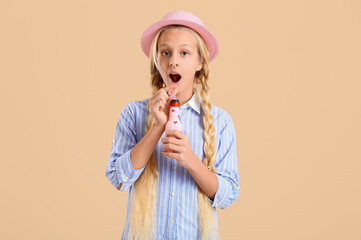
[199, 67]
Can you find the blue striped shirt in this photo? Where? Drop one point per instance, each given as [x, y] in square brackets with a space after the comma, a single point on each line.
[177, 208]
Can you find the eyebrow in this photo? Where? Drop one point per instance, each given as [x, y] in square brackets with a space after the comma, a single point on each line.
[184, 44]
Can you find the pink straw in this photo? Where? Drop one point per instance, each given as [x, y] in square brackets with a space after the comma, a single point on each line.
[170, 93]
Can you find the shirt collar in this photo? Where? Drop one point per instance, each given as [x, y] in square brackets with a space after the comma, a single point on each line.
[194, 102]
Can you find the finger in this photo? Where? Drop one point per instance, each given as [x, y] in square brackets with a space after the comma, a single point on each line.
[170, 154]
[165, 96]
[171, 140]
[161, 94]
[167, 106]
[172, 147]
[157, 98]
[154, 98]
[164, 99]
[157, 105]
[174, 133]
[175, 91]
[161, 104]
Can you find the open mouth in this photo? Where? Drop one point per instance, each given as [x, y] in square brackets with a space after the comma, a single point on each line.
[175, 77]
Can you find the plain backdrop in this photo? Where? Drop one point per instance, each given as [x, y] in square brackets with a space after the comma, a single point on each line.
[288, 73]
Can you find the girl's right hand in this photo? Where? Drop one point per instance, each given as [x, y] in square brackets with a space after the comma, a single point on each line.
[159, 105]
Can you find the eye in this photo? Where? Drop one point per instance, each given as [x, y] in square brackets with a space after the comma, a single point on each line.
[165, 53]
[185, 53]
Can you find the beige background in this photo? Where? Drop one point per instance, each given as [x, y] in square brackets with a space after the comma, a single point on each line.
[288, 72]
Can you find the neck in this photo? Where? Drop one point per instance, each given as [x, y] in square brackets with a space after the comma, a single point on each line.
[184, 99]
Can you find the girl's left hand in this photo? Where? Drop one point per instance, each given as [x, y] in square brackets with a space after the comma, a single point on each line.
[178, 142]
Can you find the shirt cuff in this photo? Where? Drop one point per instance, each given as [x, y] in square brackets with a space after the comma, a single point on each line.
[221, 193]
[125, 171]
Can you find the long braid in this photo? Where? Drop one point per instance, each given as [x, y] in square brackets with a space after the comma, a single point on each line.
[144, 196]
[206, 218]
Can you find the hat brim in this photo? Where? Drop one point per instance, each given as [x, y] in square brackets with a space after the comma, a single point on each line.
[207, 36]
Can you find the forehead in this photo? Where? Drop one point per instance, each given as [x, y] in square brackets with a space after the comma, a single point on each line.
[177, 38]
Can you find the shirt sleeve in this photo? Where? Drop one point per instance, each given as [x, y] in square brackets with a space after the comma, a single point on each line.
[226, 167]
[119, 168]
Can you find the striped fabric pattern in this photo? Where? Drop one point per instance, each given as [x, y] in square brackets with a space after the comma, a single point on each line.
[177, 209]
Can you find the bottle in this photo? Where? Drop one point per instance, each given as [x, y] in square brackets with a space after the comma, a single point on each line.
[174, 120]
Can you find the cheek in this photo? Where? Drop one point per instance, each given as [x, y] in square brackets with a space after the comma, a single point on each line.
[163, 64]
[161, 67]
[193, 65]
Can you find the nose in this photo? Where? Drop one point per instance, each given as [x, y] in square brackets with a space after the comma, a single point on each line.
[173, 62]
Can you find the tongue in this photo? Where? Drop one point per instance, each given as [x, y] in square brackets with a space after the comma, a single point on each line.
[175, 77]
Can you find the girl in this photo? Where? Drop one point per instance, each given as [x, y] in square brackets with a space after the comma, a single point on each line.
[174, 194]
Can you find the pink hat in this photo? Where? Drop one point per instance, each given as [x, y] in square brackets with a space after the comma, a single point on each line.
[181, 18]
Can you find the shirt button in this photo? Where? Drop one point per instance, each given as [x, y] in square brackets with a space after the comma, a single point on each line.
[216, 204]
[113, 140]
[172, 193]
[175, 167]
[126, 178]
[172, 221]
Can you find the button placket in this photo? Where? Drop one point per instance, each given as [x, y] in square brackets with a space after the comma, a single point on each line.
[173, 209]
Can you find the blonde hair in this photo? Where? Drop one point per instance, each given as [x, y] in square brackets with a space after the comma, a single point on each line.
[144, 194]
